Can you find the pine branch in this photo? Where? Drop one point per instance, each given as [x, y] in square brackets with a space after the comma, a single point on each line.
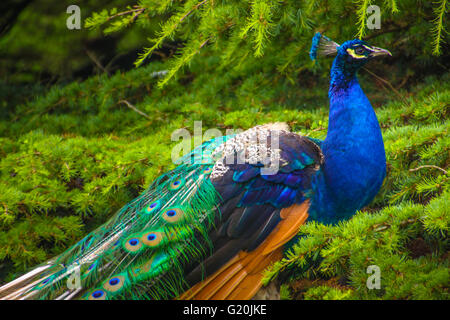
[261, 23]
[429, 166]
[129, 105]
[138, 11]
[393, 5]
[438, 29]
[103, 17]
[186, 56]
[97, 62]
[192, 10]
[362, 17]
[168, 30]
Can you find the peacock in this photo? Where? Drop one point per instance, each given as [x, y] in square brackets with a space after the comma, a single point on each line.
[210, 227]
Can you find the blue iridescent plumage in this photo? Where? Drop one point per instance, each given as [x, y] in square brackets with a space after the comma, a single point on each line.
[355, 164]
[314, 46]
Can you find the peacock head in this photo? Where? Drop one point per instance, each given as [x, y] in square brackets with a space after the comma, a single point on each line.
[356, 53]
[350, 56]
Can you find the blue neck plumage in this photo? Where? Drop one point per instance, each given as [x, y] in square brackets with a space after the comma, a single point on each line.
[342, 76]
[355, 163]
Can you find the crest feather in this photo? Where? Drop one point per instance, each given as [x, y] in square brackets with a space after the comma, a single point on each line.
[322, 46]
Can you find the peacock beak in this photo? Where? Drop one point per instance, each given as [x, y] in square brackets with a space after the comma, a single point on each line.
[379, 52]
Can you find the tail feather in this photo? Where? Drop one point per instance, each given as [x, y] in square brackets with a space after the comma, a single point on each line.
[213, 281]
[140, 251]
[241, 277]
[16, 287]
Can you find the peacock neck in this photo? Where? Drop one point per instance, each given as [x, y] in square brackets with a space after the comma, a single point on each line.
[342, 76]
[355, 163]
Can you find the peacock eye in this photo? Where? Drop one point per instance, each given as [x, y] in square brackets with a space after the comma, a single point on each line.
[359, 50]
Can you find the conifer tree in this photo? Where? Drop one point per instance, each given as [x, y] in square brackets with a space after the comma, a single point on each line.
[74, 153]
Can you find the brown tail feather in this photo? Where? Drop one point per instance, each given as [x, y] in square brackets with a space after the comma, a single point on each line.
[252, 282]
[211, 287]
[248, 281]
[293, 217]
[241, 277]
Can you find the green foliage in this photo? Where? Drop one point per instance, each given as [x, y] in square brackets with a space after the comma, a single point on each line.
[438, 28]
[362, 16]
[285, 293]
[397, 239]
[254, 25]
[260, 22]
[73, 155]
[327, 293]
[40, 48]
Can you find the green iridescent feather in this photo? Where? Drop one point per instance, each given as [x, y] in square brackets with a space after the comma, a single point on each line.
[141, 252]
